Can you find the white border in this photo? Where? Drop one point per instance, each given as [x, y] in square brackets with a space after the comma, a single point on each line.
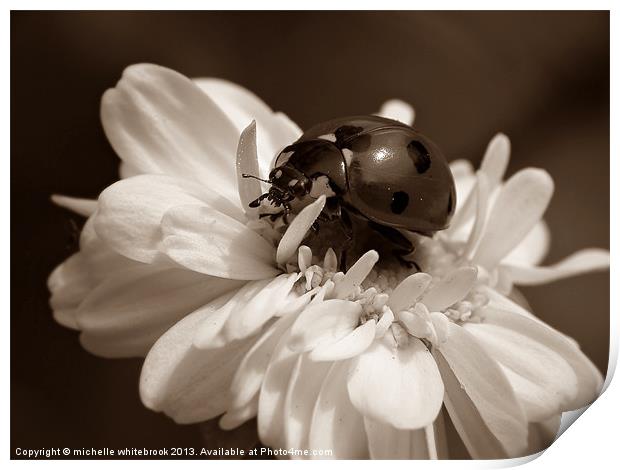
[592, 442]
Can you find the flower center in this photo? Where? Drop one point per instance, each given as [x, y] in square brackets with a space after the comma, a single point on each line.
[373, 293]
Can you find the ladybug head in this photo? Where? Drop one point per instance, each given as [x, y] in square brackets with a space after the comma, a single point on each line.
[290, 181]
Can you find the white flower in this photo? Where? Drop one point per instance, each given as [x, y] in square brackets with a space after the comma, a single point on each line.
[236, 319]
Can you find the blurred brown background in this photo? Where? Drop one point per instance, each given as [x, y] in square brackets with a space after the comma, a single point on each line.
[540, 77]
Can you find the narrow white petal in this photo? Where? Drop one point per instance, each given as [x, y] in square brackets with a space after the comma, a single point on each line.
[495, 160]
[493, 166]
[397, 110]
[159, 121]
[589, 379]
[416, 325]
[130, 211]
[464, 180]
[85, 207]
[330, 262]
[273, 393]
[482, 201]
[304, 258]
[207, 241]
[249, 376]
[543, 434]
[208, 332]
[449, 290]
[324, 323]
[266, 304]
[408, 291]
[543, 381]
[336, 424]
[581, 262]
[440, 325]
[480, 398]
[189, 384]
[303, 390]
[384, 323]
[101, 259]
[125, 314]
[69, 283]
[386, 442]
[298, 229]
[478, 438]
[533, 249]
[400, 386]
[356, 274]
[235, 417]
[247, 164]
[351, 345]
[520, 205]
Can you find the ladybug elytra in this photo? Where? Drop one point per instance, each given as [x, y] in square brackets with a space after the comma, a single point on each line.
[377, 173]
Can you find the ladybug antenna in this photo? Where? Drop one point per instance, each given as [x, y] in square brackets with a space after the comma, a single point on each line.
[244, 175]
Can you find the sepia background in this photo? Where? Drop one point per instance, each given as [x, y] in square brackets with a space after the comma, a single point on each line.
[540, 77]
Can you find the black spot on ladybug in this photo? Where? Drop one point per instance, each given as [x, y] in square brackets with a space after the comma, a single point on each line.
[344, 133]
[361, 143]
[400, 201]
[420, 155]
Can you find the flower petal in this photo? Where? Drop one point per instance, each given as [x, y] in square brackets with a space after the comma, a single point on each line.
[334, 417]
[400, 386]
[273, 394]
[464, 180]
[303, 390]
[450, 289]
[541, 435]
[207, 241]
[351, 345]
[297, 230]
[518, 208]
[397, 110]
[125, 314]
[543, 381]
[159, 121]
[493, 167]
[479, 398]
[480, 441]
[131, 211]
[235, 417]
[324, 323]
[275, 129]
[408, 291]
[533, 249]
[495, 160]
[589, 382]
[85, 207]
[69, 284]
[386, 442]
[482, 200]
[263, 306]
[247, 164]
[208, 332]
[251, 371]
[581, 262]
[189, 384]
[79, 274]
[356, 274]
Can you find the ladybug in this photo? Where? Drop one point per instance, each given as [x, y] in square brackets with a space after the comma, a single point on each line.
[379, 175]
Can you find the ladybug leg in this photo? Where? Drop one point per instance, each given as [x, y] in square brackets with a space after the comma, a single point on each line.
[402, 246]
[346, 224]
[285, 213]
[256, 202]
